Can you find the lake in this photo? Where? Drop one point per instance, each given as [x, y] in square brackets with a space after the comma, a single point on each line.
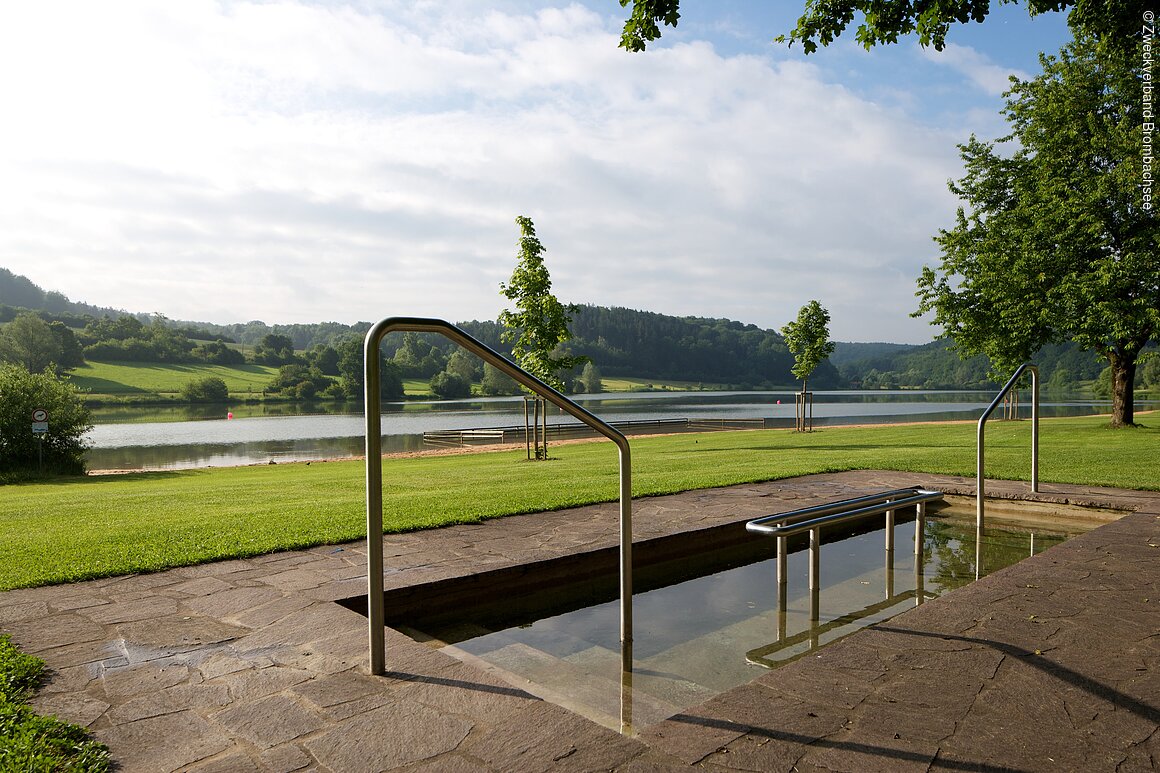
[159, 438]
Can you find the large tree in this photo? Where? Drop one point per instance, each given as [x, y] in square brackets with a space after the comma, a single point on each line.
[884, 21]
[29, 341]
[1058, 241]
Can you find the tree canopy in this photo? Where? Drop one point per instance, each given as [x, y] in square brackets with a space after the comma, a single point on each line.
[1057, 242]
[808, 339]
[540, 322]
[884, 21]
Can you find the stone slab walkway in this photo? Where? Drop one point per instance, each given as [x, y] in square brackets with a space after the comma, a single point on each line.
[248, 665]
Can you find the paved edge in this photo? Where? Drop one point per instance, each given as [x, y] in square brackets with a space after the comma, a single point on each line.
[247, 665]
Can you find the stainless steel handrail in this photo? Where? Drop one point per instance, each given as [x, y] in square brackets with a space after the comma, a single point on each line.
[845, 514]
[376, 612]
[980, 479]
[812, 519]
[759, 525]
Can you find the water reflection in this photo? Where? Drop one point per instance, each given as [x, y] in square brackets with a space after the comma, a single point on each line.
[697, 638]
[135, 437]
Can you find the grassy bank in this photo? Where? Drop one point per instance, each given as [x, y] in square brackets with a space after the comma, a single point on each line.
[146, 380]
[156, 381]
[29, 742]
[106, 525]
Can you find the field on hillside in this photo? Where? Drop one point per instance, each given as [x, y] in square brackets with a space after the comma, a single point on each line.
[142, 379]
[145, 380]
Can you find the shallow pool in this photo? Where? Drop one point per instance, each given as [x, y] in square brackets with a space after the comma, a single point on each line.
[702, 636]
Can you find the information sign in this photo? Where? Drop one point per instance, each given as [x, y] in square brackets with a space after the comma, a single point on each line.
[39, 427]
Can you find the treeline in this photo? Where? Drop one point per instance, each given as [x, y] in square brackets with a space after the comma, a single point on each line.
[19, 292]
[1062, 367]
[323, 359]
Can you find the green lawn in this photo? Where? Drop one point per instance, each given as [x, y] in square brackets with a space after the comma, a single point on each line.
[630, 384]
[75, 529]
[29, 742]
[142, 379]
[145, 380]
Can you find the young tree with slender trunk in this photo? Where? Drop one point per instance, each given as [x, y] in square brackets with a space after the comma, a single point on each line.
[540, 322]
[808, 340]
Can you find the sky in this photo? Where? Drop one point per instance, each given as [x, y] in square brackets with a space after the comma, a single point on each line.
[292, 161]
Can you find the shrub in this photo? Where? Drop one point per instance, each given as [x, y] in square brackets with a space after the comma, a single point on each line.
[210, 389]
[450, 386]
[59, 451]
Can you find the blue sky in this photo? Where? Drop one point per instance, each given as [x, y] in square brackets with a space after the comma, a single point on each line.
[308, 161]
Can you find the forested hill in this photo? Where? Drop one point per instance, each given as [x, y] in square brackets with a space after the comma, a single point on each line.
[624, 342]
[621, 342]
[19, 292]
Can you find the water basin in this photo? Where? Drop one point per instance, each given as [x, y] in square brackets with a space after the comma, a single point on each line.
[707, 623]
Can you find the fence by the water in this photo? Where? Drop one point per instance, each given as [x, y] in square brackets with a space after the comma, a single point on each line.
[448, 438]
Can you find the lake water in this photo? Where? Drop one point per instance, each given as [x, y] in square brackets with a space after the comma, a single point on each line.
[156, 438]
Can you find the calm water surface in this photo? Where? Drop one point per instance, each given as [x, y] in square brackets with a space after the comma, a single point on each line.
[175, 438]
[697, 638]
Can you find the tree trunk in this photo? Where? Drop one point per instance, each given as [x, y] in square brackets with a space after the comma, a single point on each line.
[1123, 397]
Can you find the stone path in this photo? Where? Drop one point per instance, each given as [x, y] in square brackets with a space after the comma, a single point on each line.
[1053, 664]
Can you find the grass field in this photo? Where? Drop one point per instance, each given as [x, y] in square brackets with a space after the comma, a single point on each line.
[72, 529]
[142, 379]
[152, 380]
[628, 384]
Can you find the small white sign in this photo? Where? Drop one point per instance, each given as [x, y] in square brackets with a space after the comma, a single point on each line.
[40, 415]
[39, 427]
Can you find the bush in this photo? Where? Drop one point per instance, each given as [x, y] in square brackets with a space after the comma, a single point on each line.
[495, 382]
[217, 353]
[450, 386]
[210, 389]
[63, 447]
[299, 382]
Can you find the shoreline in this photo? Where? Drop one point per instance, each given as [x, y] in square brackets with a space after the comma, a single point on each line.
[498, 447]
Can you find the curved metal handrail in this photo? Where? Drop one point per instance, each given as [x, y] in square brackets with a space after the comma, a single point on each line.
[376, 612]
[980, 480]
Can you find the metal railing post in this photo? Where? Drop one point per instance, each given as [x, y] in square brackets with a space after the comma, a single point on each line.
[376, 612]
[980, 479]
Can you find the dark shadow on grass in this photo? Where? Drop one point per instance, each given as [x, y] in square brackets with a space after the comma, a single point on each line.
[119, 477]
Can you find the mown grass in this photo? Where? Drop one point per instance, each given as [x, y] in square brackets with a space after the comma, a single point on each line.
[29, 742]
[630, 384]
[68, 530]
[142, 379]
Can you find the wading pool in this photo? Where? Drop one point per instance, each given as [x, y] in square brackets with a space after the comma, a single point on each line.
[705, 623]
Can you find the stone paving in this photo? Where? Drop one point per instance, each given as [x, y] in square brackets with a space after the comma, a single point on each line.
[248, 665]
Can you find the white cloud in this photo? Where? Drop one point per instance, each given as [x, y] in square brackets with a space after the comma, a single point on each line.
[305, 162]
[979, 69]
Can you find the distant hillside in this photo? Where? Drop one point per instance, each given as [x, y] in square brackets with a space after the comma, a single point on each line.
[643, 344]
[625, 342]
[19, 292]
[880, 353]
